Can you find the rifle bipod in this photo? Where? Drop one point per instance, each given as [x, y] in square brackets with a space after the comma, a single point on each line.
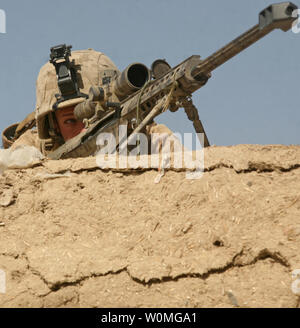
[192, 114]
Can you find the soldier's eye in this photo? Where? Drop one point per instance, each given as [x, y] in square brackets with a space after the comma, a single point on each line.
[70, 121]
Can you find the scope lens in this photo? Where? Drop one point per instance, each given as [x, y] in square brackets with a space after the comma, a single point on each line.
[138, 75]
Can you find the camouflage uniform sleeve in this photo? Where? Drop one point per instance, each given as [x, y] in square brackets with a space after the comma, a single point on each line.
[162, 139]
[29, 138]
[158, 128]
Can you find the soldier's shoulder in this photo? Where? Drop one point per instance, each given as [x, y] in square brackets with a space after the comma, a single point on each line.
[28, 138]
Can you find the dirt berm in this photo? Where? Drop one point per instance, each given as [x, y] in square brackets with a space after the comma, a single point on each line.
[76, 236]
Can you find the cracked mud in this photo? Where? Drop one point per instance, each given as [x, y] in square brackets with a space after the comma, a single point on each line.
[72, 235]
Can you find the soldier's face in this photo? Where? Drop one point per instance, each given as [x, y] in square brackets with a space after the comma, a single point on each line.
[68, 125]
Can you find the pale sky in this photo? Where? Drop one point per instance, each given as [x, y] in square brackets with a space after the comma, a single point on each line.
[253, 98]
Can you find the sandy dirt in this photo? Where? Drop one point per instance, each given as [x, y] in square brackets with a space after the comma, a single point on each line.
[72, 235]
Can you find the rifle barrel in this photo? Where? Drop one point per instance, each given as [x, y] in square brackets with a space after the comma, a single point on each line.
[275, 16]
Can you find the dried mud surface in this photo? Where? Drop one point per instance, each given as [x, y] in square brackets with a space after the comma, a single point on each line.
[72, 235]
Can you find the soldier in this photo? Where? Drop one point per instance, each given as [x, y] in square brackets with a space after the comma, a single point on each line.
[55, 121]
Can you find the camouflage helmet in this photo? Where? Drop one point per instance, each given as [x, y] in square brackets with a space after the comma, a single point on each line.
[91, 65]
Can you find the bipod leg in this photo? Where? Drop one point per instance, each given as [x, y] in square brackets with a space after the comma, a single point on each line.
[192, 114]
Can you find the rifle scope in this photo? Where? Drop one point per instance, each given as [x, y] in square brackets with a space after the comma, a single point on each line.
[130, 80]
